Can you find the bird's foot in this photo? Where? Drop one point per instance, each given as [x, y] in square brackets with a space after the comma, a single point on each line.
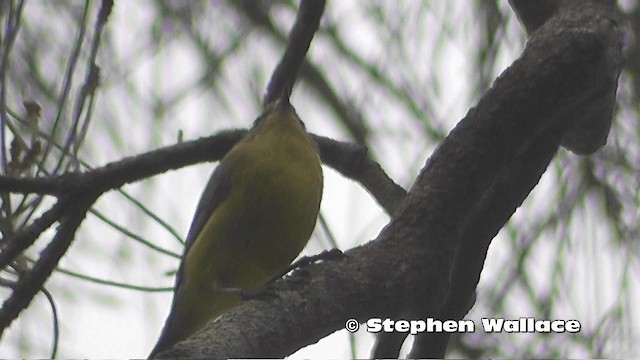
[332, 254]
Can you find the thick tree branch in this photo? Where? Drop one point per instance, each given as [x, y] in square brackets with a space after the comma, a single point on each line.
[484, 221]
[582, 115]
[534, 13]
[590, 132]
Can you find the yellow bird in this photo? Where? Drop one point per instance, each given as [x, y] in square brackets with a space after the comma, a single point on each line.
[255, 216]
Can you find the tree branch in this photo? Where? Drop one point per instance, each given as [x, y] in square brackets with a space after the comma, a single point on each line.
[353, 161]
[32, 281]
[592, 119]
[305, 27]
[254, 11]
[488, 215]
[15, 245]
[349, 159]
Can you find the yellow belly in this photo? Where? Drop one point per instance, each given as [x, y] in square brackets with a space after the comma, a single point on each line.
[262, 225]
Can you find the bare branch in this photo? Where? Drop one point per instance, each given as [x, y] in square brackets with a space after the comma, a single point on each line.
[352, 161]
[313, 77]
[32, 281]
[15, 245]
[349, 159]
[305, 27]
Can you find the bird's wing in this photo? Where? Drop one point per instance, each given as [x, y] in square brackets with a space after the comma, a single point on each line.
[216, 191]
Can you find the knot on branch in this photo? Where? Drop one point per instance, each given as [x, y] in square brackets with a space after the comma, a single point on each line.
[588, 40]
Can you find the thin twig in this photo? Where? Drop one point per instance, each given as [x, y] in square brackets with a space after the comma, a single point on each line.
[31, 282]
[16, 244]
[67, 83]
[56, 326]
[91, 81]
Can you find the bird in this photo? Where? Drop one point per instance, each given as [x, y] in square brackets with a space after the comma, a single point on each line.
[253, 219]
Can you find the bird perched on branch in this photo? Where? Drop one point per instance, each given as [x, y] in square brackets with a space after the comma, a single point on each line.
[255, 216]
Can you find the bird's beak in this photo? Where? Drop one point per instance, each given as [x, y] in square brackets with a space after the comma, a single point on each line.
[283, 103]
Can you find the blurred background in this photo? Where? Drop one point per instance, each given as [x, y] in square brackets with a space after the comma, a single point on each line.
[395, 76]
